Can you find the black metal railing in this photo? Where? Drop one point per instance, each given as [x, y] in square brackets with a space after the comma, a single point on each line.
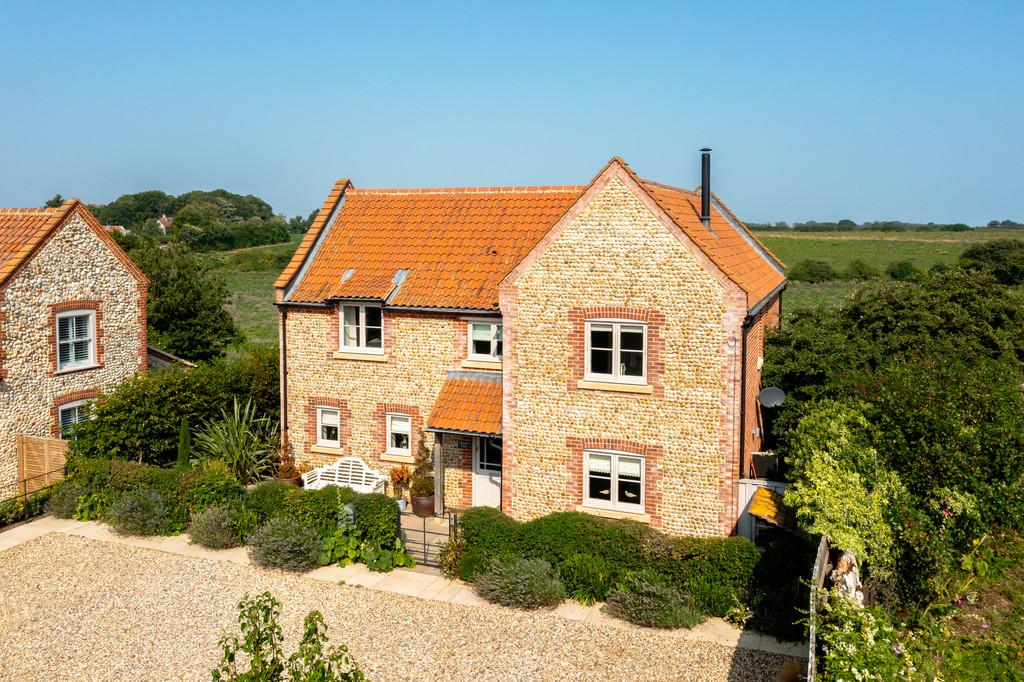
[424, 537]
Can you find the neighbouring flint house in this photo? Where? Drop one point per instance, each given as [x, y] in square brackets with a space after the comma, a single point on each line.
[594, 348]
[72, 322]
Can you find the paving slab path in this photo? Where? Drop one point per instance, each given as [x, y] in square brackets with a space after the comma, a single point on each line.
[79, 598]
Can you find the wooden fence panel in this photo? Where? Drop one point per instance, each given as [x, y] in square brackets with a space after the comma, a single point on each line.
[40, 462]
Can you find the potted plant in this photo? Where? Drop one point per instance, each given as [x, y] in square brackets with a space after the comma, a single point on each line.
[422, 487]
[400, 478]
[287, 473]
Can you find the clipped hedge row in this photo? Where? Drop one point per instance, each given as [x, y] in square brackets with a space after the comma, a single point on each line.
[717, 573]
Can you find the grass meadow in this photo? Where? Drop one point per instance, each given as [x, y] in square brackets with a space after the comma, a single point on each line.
[250, 273]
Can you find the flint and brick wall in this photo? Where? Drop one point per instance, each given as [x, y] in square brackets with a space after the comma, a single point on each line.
[419, 349]
[73, 267]
[767, 318]
[616, 253]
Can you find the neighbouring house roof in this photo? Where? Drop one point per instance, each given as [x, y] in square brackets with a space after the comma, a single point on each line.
[469, 402]
[451, 248]
[23, 231]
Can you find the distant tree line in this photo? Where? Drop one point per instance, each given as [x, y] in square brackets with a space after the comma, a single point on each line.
[202, 221]
[877, 225]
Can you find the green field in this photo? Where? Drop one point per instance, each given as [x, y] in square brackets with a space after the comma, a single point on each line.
[878, 249]
[250, 273]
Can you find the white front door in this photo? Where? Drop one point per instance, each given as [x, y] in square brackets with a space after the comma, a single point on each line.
[487, 472]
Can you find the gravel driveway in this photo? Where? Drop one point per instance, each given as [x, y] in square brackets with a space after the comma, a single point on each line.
[79, 609]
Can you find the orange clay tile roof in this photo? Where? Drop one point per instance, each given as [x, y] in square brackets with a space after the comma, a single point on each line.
[451, 248]
[22, 230]
[470, 402]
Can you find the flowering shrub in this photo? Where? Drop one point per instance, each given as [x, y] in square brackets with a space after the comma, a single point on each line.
[859, 643]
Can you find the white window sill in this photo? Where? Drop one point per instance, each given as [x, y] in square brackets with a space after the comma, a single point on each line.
[481, 364]
[612, 514]
[78, 368]
[612, 386]
[326, 450]
[401, 459]
[369, 357]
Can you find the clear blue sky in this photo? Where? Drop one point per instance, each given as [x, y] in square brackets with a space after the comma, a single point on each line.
[910, 111]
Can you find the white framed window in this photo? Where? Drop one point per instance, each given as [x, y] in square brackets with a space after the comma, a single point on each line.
[362, 328]
[76, 339]
[70, 414]
[614, 480]
[484, 341]
[328, 427]
[399, 434]
[616, 351]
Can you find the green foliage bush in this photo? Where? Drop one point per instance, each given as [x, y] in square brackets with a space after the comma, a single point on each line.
[588, 578]
[859, 271]
[1003, 258]
[647, 599]
[139, 512]
[349, 544]
[812, 271]
[286, 544]
[212, 484]
[215, 527]
[318, 509]
[140, 420]
[261, 649]
[903, 271]
[859, 643]
[376, 517]
[23, 508]
[64, 500]
[523, 583]
[267, 499]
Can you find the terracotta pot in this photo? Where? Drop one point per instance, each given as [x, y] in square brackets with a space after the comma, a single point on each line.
[423, 506]
[292, 481]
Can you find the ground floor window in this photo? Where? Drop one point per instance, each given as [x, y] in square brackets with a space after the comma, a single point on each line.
[614, 480]
[399, 434]
[490, 455]
[327, 427]
[70, 414]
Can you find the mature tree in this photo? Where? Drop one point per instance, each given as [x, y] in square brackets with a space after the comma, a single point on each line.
[56, 201]
[186, 312]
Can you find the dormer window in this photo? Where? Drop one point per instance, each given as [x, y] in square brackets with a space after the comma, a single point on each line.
[484, 341]
[362, 328]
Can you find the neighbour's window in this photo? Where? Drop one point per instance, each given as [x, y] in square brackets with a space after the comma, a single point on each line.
[362, 328]
[485, 341]
[616, 351]
[328, 427]
[76, 339]
[70, 414]
[399, 431]
[614, 481]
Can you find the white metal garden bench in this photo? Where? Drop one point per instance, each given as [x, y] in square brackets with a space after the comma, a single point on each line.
[351, 472]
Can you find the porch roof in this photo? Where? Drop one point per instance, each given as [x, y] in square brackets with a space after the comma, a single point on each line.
[469, 402]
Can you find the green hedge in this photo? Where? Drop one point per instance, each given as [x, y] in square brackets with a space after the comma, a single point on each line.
[716, 572]
[22, 508]
[376, 515]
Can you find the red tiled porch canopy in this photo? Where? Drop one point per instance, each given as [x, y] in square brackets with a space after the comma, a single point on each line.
[469, 402]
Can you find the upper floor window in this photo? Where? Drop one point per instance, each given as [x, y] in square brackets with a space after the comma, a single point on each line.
[76, 339]
[70, 414]
[614, 480]
[399, 432]
[616, 351]
[484, 341]
[362, 328]
[328, 427]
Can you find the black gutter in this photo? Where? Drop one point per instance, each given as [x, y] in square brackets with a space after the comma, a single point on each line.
[747, 322]
[284, 376]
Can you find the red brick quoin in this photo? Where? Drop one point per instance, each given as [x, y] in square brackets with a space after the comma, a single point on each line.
[64, 399]
[64, 306]
[344, 423]
[655, 343]
[652, 469]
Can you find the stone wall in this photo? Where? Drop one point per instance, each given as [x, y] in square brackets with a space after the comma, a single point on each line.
[74, 267]
[767, 318]
[616, 253]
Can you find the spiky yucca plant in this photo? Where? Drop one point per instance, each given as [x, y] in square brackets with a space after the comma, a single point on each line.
[245, 442]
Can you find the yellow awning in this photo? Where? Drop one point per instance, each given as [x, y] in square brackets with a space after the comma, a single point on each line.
[766, 504]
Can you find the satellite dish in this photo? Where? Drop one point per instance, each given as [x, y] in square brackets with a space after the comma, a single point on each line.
[771, 397]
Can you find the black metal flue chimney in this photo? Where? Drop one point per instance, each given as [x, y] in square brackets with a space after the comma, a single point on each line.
[705, 186]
